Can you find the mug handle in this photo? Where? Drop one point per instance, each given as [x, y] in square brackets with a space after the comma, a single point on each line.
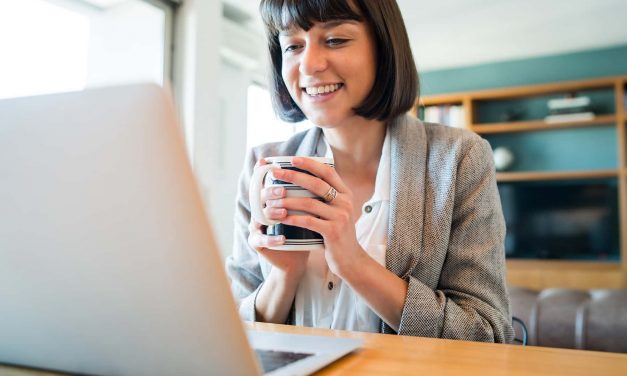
[254, 194]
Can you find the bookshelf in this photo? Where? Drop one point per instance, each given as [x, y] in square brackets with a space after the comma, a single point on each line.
[584, 156]
[534, 125]
[561, 175]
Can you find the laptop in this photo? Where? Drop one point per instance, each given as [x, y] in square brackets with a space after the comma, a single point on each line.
[108, 263]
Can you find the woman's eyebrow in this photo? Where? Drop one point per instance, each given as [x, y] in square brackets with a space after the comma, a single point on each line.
[325, 25]
[335, 23]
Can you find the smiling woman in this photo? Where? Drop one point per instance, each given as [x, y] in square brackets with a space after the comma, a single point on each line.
[410, 215]
[329, 69]
[395, 78]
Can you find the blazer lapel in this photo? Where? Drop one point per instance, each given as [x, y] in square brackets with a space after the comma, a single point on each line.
[408, 171]
[308, 145]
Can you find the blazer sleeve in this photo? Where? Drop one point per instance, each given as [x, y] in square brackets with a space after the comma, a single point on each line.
[243, 265]
[471, 300]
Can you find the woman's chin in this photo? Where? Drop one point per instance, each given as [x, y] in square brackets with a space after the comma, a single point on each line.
[324, 120]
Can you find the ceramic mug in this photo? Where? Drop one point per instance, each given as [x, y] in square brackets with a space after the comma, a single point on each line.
[296, 238]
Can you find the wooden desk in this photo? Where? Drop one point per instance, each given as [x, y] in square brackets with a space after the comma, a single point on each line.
[384, 354]
[396, 355]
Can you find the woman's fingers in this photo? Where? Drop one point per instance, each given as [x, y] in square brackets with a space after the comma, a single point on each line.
[309, 222]
[326, 177]
[308, 205]
[323, 171]
[274, 213]
[257, 239]
[272, 193]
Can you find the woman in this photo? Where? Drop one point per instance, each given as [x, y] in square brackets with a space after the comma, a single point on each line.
[414, 237]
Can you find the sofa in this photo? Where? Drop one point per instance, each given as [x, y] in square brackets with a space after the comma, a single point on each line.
[593, 319]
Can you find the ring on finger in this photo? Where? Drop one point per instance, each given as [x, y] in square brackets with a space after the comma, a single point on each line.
[330, 195]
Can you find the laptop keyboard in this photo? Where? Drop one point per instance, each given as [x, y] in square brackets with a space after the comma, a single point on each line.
[271, 360]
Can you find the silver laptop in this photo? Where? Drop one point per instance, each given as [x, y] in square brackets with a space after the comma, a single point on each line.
[108, 264]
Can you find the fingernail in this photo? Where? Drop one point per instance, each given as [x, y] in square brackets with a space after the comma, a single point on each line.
[297, 160]
[272, 203]
[277, 191]
[277, 173]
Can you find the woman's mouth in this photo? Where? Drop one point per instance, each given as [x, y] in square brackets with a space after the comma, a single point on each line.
[322, 90]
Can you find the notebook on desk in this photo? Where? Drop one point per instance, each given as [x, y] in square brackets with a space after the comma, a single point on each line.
[108, 264]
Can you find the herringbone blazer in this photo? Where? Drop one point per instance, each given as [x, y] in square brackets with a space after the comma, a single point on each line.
[446, 232]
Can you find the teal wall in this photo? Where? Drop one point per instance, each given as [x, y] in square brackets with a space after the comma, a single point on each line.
[565, 67]
[568, 149]
[588, 148]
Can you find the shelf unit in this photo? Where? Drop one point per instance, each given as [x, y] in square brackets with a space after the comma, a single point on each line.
[508, 177]
[536, 125]
[553, 273]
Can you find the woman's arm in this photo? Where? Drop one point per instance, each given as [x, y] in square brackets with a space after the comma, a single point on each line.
[266, 299]
[471, 300]
[243, 265]
[383, 291]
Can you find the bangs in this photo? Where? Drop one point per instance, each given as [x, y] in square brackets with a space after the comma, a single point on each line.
[281, 15]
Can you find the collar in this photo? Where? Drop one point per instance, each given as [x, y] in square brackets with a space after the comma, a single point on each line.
[382, 183]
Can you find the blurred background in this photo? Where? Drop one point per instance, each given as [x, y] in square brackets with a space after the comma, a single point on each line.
[212, 55]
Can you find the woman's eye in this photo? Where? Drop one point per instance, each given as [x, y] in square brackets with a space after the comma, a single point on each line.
[336, 41]
[290, 48]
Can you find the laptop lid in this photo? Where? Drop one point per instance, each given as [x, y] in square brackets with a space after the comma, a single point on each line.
[107, 260]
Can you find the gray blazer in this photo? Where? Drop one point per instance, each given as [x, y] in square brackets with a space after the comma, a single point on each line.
[446, 232]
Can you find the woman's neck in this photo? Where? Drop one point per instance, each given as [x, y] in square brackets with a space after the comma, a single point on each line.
[357, 146]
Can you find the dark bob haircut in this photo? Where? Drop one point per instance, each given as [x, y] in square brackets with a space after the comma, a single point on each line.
[396, 82]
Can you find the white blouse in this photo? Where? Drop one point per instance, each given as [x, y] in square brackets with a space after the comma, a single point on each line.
[322, 300]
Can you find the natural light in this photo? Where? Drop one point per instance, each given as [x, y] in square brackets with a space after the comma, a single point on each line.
[57, 46]
[45, 48]
[262, 124]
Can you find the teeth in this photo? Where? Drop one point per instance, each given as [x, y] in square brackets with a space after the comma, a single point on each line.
[322, 89]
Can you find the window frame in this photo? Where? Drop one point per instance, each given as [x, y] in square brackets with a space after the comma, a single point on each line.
[169, 8]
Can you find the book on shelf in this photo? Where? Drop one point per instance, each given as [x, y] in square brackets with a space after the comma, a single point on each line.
[569, 104]
[569, 109]
[451, 115]
[568, 117]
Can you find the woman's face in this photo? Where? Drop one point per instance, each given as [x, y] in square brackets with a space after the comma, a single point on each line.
[329, 70]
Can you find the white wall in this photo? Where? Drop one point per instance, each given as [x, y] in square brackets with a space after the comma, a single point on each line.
[126, 45]
[211, 80]
[232, 91]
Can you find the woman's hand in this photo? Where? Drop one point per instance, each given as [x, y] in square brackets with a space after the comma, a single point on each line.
[381, 289]
[291, 263]
[335, 219]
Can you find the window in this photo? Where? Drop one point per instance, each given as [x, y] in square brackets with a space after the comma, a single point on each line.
[65, 45]
[262, 124]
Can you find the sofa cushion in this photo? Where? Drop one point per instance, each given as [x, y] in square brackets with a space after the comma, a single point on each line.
[602, 322]
[577, 319]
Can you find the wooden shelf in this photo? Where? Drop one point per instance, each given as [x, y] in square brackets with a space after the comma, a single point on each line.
[440, 100]
[553, 273]
[537, 125]
[510, 177]
[534, 90]
[541, 274]
[559, 264]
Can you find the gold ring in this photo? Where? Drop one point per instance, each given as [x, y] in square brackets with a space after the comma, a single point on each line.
[330, 195]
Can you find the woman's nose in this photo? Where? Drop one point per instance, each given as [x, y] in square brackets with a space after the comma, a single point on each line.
[313, 60]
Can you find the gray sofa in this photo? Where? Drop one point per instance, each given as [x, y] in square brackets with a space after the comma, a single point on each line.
[576, 319]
